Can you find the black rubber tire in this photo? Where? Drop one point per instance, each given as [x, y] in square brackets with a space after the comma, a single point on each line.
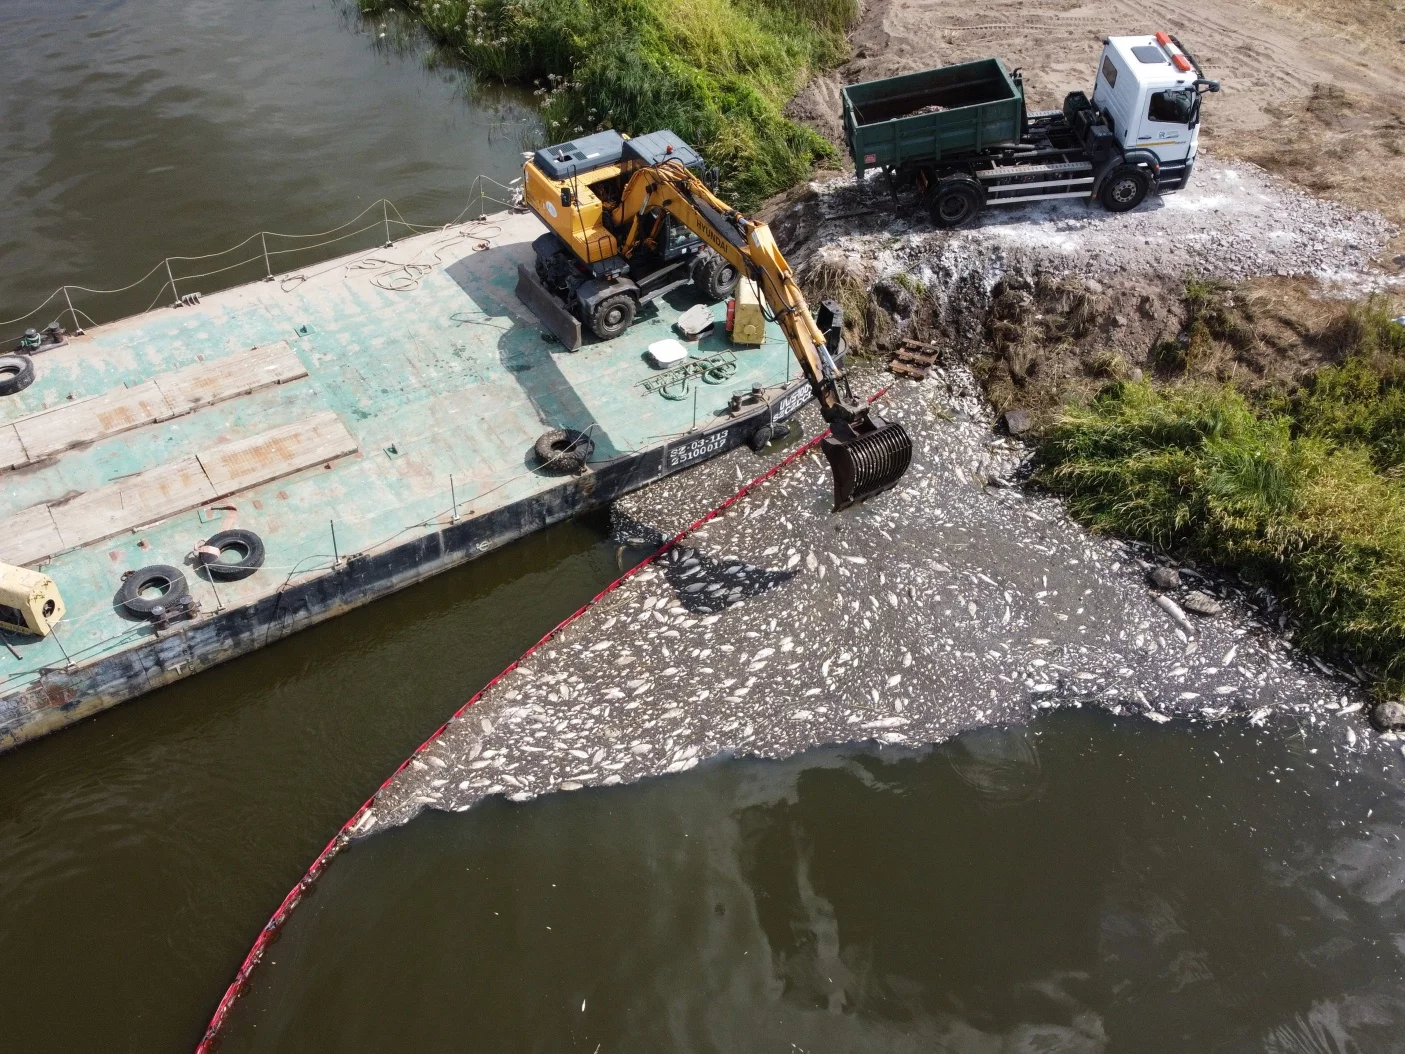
[247, 542]
[613, 315]
[130, 595]
[956, 201]
[759, 439]
[564, 450]
[714, 278]
[1124, 189]
[16, 373]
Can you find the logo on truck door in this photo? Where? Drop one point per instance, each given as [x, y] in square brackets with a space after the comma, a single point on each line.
[870, 159]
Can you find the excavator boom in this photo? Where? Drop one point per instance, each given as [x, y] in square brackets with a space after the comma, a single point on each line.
[866, 454]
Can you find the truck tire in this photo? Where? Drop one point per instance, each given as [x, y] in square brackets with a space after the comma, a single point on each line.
[714, 277]
[613, 315]
[16, 373]
[1124, 189]
[247, 544]
[956, 201]
[154, 577]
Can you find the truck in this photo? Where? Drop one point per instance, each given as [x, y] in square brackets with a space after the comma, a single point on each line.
[959, 138]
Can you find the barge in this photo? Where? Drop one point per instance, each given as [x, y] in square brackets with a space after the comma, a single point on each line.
[360, 426]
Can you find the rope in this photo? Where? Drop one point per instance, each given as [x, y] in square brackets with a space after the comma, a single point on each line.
[385, 204]
[343, 836]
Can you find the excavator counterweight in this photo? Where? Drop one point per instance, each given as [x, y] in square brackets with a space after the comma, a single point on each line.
[630, 219]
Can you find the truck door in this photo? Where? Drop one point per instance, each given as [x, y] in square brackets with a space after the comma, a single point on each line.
[1115, 94]
[1168, 121]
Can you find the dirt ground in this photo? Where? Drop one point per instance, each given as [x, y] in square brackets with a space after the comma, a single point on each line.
[1312, 92]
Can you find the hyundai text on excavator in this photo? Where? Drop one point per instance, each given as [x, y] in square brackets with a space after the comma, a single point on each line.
[629, 220]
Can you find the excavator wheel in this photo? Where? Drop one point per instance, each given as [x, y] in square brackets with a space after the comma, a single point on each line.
[714, 277]
[866, 458]
[613, 315]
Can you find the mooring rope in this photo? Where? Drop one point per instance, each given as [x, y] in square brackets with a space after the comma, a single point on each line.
[343, 836]
[476, 195]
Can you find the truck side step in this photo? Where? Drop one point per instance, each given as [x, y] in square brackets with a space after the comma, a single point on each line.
[1008, 171]
[1039, 197]
[1004, 188]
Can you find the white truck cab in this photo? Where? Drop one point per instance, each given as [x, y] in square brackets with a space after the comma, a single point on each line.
[1148, 89]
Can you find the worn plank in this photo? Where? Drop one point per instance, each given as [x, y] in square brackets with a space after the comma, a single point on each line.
[125, 504]
[279, 452]
[72, 424]
[243, 372]
[28, 536]
[12, 452]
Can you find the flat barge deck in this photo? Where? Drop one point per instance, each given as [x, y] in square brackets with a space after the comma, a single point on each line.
[371, 419]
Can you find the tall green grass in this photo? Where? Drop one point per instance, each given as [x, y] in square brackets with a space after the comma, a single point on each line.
[1303, 492]
[717, 72]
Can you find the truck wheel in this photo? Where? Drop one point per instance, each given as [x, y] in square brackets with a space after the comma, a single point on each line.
[955, 201]
[1125, 189]
[613, 315]
[714, 277]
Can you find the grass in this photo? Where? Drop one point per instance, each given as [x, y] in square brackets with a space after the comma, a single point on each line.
[1302, 490]
[717, 72]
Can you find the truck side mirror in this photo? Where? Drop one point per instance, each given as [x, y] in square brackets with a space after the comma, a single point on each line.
[565, 197]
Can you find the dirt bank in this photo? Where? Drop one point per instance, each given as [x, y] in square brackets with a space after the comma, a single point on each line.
[1314, 93]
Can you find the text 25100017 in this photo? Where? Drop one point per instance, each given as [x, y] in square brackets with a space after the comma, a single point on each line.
[694, 449]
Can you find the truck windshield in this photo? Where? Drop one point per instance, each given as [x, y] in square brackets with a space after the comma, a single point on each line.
[1174, 106]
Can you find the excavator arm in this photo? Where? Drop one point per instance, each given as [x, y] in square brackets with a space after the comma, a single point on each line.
[866, 454]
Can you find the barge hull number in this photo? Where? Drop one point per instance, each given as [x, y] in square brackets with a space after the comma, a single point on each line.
[792, 402]
[697, 449]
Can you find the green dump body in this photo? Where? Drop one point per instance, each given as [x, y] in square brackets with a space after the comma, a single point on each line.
[892, 122]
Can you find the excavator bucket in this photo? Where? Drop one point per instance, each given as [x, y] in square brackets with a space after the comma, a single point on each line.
[866, 458]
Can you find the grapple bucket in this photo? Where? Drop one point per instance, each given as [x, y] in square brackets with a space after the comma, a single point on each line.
[866, 458]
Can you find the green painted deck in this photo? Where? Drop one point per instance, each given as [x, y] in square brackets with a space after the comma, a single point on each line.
[445, 374]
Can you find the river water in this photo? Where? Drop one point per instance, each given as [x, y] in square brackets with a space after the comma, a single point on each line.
[1085, 884]
[133, 130]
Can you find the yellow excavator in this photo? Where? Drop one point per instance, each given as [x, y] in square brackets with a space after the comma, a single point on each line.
[630, 219]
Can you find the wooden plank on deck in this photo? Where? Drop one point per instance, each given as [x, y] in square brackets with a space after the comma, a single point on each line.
[279, 452]
[72, 424]
[233, 375]
[126, 504]
[12, 453]
[28, 536]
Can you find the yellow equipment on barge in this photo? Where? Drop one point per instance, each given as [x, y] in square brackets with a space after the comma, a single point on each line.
[630, 220]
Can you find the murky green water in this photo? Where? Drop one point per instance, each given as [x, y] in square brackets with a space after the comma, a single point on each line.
[132, 130]
[1083, 885]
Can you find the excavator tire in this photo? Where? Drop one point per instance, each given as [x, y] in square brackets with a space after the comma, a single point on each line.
[714, 277]
[613, 315]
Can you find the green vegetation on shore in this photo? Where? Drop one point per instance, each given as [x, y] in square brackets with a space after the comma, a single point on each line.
[1302, 490]
[717, 72]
